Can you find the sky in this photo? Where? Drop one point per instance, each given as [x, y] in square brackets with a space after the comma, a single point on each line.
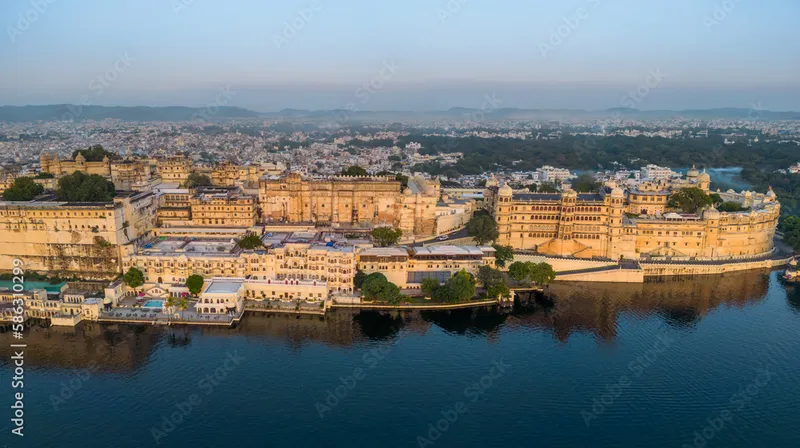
[402, 54]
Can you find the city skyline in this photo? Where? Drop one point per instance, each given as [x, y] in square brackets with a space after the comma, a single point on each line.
[416, 55]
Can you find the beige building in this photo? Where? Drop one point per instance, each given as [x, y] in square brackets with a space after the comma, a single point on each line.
[632, 224]
[173, 261]
[347, 200]
[206, 207]
[83, 239]
[125, 174]
[407, 268]
[174, 169]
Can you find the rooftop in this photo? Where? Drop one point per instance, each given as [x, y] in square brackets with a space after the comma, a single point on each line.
[223, 287]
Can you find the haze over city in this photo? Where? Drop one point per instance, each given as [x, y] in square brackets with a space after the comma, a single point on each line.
[314, 54]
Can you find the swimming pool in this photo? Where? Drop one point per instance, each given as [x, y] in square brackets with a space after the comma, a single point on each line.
[154, 304]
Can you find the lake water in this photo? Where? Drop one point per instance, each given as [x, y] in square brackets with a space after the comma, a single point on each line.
[702, 362]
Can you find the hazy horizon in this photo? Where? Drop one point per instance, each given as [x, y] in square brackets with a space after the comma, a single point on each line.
[417, 55]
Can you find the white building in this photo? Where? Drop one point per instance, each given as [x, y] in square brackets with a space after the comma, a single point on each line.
[795, 169]
[551, 174]
[655, 172]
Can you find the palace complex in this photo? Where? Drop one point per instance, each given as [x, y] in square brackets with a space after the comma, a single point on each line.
[312, 234]
[634, 223]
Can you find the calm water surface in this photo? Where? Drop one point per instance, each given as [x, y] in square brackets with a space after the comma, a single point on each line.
[653, 365]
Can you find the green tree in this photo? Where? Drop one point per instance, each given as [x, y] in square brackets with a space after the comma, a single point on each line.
[80, 187]
[354, 170]
[482, 228]
[377, 287]
[732, 207]
[95, 153]
[499, 290]
[250, 241]
[690, 200]
[458, 288]
[44, 175]
[23, 189]
[183, 305]
[716, 198]
[542, 273]
[503, 254]
[533, 188]
[195, 284]
[385, 236]
[520, 271]
[488, 277]
[585, 183]
[547, 187]
[134, 278]
[791, 232]
[429, 286]
[358, 279]
[197, 180]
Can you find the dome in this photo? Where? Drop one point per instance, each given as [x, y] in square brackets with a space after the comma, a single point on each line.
[611, 183]
[617, 192]
[505, 190]
[711, 213]
[80, 158]
[770, 193]
[407, 192]
[793, 262]
[704, 177]
[692, 172]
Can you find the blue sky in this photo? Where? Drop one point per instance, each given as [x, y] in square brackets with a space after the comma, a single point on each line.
[570, 53]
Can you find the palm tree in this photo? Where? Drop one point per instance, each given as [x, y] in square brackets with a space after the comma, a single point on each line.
[169, 304]
[183, 304]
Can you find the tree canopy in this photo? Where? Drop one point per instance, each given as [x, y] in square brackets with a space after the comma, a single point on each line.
[493, 281]
[529, 272]
[791, 232]
[482, 228]
[585, 183]
[197, 180]
[195, 284]
[458, 288]
[385, 236]
[80, 187]
[133, 278]
[690, 200]
[354, 170]
[377, 287]
[95, 153]
[732, 207]
[429, 285]
[250, 241]
[23, 189]
[503, 254]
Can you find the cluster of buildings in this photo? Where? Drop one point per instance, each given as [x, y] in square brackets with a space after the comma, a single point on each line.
[314, 229]
[634, 223]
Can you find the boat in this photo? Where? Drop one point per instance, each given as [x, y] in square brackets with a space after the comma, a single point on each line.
[791, 274]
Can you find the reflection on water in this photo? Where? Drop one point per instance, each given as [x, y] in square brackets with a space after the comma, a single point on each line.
[565, 309]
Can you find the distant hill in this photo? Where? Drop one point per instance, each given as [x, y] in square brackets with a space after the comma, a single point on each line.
[178, 113]
[58, 112]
